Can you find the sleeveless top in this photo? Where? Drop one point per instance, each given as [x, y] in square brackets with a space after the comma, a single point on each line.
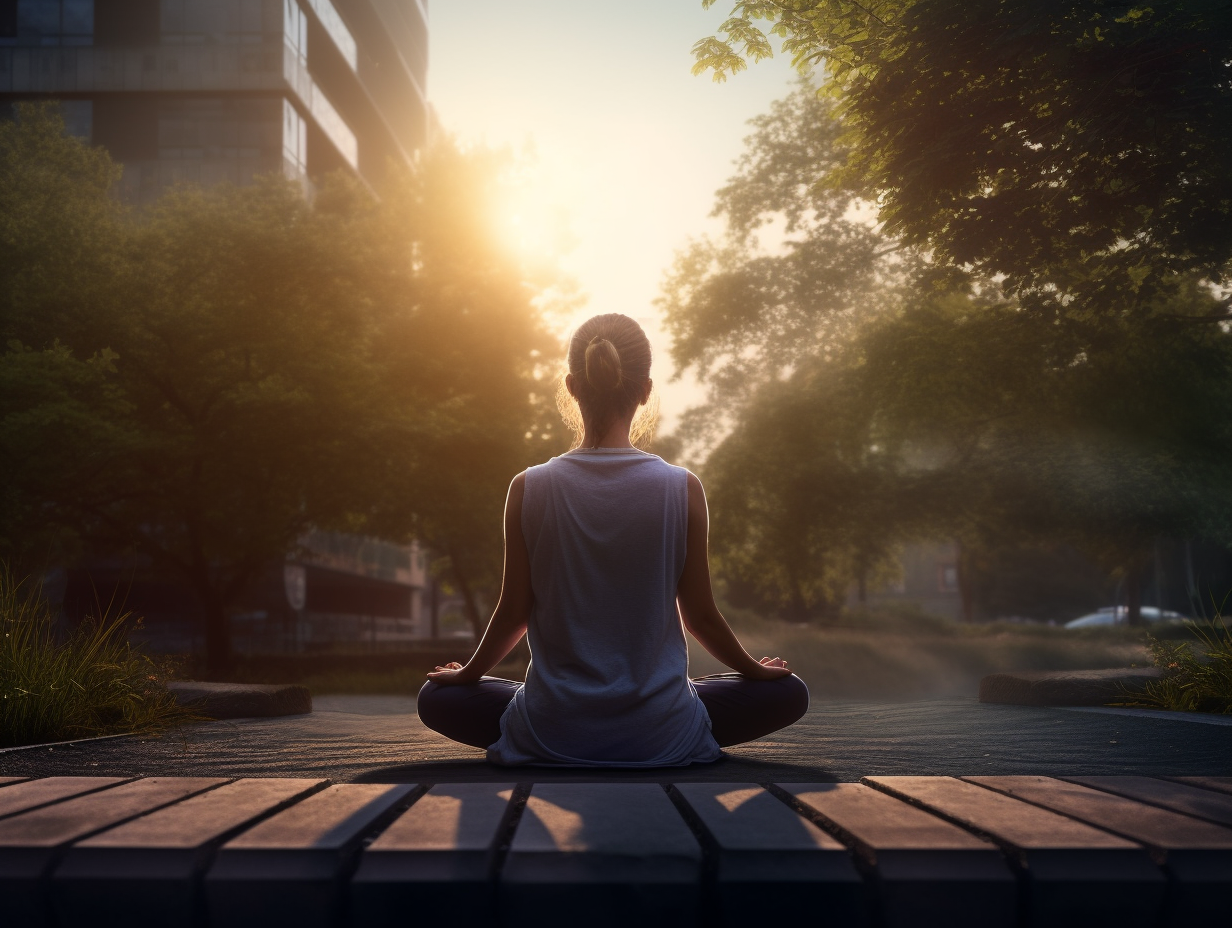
[608, 681]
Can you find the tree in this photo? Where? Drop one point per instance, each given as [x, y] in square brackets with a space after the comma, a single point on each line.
[964, 413]
[1079, 148]
[483, 358]
[799, 267]
[806, 498]
[263, 365]
[1103, 439]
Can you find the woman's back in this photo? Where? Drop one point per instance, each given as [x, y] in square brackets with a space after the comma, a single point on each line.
[606, 530]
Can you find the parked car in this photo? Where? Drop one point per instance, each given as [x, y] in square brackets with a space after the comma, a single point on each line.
[1119, 615]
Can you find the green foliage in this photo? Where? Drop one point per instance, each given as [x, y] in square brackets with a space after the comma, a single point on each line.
[859, 399]
[1079, 148]
[91, 683]
[58, 229]
[804, 498]
[202, 383]
[798, 269]
[1100, 437]
[1197, 674]
[60, 421]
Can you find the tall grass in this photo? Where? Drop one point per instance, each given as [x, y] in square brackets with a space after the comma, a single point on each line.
[1197, 674]
[90, 683]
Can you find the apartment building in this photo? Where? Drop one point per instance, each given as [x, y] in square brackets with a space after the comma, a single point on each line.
[208, 91]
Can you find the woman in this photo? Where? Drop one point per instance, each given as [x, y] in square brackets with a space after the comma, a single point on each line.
[602, 544]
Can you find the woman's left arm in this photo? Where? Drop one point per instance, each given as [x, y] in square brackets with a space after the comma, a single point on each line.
[508, 622]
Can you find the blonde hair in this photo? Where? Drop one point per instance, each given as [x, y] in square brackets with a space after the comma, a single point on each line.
[609, 358]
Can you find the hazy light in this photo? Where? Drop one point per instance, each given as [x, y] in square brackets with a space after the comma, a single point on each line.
[628, 146]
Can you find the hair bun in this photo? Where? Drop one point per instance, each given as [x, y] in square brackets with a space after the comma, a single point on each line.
[603, 365]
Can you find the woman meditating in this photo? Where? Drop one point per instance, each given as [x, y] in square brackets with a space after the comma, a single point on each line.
[605, 557]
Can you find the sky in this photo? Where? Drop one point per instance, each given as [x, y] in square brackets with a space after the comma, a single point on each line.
[627, 144]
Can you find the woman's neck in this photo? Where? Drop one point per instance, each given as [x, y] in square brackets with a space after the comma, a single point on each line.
[617, 436]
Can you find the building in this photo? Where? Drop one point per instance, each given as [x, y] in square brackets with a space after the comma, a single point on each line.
[927, 579]
[208, 91]
[213, 91]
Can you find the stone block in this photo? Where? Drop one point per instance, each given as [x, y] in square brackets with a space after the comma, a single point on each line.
[602, 854]
[24, 796]
[242, 700]
[927, 872]
[1065, 687]
[31, 841]
[1197, 854]
[1071, 874]
[441, 850]
[767, 851]
[290, 869]
[148, 871]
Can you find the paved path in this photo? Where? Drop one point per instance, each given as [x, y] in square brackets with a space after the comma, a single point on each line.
[380, 739]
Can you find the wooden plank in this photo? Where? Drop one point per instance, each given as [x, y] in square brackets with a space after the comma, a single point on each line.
[22, 797]
[1158, 828]
[927, 871]
[31, 841]
[618, 852]
[9, 781]
[1198, 854]
[1217, 784]
[768, 851]
[442, 849]
[1179, 797]
[287, 869]
[148, 870]
[1074, 874]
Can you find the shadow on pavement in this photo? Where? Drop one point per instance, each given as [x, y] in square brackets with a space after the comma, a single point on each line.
[729, 769]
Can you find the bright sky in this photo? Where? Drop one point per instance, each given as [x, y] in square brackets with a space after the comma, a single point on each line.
[630, 145]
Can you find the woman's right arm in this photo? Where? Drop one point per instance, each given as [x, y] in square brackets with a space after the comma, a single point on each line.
[696, 599]
[508, 622]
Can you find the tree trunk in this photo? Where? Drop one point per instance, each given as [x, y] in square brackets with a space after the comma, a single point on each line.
[862, 585]
[217, 636]
[1133, 595]
[468, 597]
[435, 607]
[962, 564]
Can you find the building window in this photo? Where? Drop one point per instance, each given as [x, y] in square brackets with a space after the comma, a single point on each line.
[47, 22]
[295, 28]
[947, 578]
[126, 22]
[207, 22]
[8, 19]
[294, 140]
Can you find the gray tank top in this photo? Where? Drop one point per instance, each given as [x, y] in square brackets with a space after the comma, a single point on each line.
[608, 680]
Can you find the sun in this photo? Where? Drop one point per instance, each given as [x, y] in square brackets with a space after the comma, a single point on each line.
[532, 216]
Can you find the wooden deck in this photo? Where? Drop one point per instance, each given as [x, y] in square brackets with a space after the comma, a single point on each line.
[889, 851]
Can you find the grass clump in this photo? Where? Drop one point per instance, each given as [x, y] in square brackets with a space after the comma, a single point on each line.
[1197, 674]
[90, 683]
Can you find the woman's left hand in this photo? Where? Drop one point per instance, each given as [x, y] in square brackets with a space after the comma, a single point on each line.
[451, 674]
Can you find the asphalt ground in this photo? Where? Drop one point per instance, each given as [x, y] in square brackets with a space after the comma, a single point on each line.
[380, 739]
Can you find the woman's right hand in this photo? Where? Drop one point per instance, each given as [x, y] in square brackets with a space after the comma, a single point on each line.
[769, 668]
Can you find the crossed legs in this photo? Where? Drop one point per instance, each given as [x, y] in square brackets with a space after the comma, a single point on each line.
[740, 709]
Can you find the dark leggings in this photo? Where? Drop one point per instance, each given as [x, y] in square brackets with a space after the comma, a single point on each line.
[740, 709]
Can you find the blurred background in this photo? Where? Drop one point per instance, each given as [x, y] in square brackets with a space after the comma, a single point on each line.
[937, 294]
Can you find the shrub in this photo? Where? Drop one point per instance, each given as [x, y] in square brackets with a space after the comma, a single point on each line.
[1197, 674]
[90, 683]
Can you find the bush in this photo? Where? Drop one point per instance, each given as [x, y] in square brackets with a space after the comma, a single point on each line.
[1197, 674]
[90, 683]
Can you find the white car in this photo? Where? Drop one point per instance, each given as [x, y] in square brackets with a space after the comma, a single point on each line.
[1119, 615]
